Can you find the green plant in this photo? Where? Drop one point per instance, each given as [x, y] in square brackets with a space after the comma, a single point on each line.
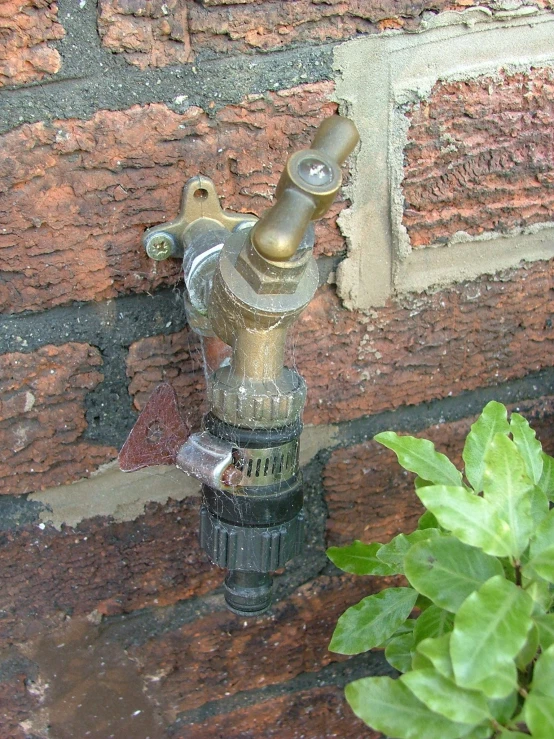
[478, 661]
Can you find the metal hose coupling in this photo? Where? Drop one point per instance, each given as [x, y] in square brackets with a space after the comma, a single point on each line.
[246, 282]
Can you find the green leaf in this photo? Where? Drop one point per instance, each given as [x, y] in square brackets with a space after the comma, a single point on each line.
[480, 732]
[437, 652]
[433, 622]
[539, 591]
[490, 628]
[541, 551]
[447, 571]
[471, 518]
[545, 625]
[371, 621]
[543, 538]
[427, 521]
[539, 715]
[542, 565]
[388, 706]
[529, 649]
[546, 483]
[513, 735]
[420, 662]
[543, 673]
[529, 446]
[503, 708]
[359, 559]
[493, 420]
[392, 554]
[539, 505]
[500, 684]
[420, 456]
[445, 697]
[398, 652]
[506, 487]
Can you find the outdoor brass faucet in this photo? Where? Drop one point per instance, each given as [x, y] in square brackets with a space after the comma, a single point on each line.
[247, 281]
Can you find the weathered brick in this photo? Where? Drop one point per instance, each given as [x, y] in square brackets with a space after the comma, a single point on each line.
[100, 566]
[480, 157]
[156, 34]
[320, 713]
[25, 29]
[421, 347]
[42, 417]
[221, 654]
[77, 195]
[371, 498]
[150, 33]
[17, 701]
[177, 359]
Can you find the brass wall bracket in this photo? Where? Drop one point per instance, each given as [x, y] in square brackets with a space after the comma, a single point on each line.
[200, 212]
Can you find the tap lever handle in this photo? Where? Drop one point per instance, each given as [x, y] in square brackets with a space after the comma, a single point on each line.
[306, 190]
[158, 434]
[336, 137]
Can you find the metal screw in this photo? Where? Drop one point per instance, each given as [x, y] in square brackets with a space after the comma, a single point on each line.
[159, 246]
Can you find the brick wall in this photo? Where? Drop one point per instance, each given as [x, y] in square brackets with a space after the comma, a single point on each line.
[134, 98]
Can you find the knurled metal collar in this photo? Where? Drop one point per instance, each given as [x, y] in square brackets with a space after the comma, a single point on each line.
[254, 404]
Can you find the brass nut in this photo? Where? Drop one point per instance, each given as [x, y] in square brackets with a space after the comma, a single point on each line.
[273, 278]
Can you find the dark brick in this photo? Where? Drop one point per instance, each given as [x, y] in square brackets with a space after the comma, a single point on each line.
[100, 566]
[221, 654]
[320, 713]
[42, 417]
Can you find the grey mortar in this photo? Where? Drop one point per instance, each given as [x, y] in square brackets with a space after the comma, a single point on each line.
[93, 79]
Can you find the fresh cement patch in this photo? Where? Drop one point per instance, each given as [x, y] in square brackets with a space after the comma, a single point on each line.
[379, 75]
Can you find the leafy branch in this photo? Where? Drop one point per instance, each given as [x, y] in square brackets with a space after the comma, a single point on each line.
[478, 661]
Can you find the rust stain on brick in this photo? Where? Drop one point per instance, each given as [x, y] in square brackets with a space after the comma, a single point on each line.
[480, 157]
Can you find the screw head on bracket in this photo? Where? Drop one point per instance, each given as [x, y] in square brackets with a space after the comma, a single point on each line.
[159, 246]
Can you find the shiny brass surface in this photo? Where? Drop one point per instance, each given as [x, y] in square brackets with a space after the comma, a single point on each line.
[200, 212]
[249, 280]
[306, 190]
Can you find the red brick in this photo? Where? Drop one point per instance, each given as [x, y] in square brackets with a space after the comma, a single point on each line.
[371, 498]
[177, 359]
[421, 347]
[25, 28]
[42, 417]
[77, 195]
[222, 654]
[150, 33]
[480, 157]
[320, 713]
[156, 34]
[100, 565]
